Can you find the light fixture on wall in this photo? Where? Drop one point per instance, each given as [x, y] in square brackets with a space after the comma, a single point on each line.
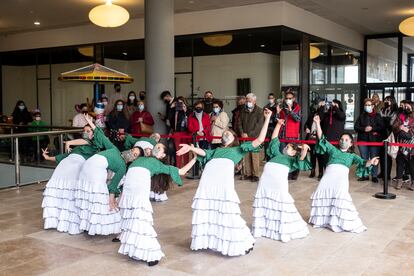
[407, 26]
[314, 52]
[109, 15]
[218, 40]
[87, 51]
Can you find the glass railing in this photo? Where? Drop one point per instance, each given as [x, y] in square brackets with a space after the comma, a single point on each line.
[21, 160]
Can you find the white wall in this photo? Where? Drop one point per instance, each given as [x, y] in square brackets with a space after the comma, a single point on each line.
[289, 67]
[215, 73]
[251, 16]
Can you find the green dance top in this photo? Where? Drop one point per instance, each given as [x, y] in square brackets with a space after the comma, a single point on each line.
[98, 142]
[336, 156]
[235, 154]
[155, 167]
[293, 162]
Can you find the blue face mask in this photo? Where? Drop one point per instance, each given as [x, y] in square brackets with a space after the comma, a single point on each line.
[249, 105]
[217, 110]
[119, 107]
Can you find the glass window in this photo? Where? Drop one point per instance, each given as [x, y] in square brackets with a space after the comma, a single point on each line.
[408, 59]
[382, 60]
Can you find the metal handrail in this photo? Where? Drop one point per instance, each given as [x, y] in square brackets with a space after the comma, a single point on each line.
[16, 137]
[27, 126]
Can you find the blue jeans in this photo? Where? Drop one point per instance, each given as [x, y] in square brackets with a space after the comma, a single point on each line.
[369, 152]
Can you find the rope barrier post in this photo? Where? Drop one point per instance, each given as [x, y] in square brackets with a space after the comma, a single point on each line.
[385, 194]
[17, 162]
[61, 144]
[38, 149]
[195, 167]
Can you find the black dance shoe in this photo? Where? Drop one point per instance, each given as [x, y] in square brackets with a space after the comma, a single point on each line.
[152, 263]
[249, 250]
[374, 180]
[116, 240]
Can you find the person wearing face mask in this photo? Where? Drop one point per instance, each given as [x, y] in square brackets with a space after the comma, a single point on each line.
[116, 95]
[142, 95]
[241, 102]
[217, 223]
[332, 205]
[403, 129]
[118, 124]
[250, 123]
[168, 100]
[291, 113]
[272, 195]
[38, 125]
[139, 117]
[219, 123]
[138, 238]
[179, 126]
[79, 119]
[59, 210]
[208, 102]
[131, 104]
[21, 116]
[273, 106]
[95, 198]
[370, 128]
[389, 114]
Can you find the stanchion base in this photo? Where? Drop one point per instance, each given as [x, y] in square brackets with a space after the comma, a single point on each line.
[192, 177]
[385, 196]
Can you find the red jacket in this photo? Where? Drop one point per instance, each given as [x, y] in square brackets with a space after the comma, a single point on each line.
[146, 119]
[292, 127]
[193, 125]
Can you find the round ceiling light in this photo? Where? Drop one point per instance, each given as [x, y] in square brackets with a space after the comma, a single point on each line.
[87, 51]
[218, 40]
[109, 15]
[407, 26]
[314, 52]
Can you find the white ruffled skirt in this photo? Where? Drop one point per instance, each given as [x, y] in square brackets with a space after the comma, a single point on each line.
[158, 197]
[138, 237]
[92, 199]
[217, 222]
[59, 210]
[332, 205]
[274, 212]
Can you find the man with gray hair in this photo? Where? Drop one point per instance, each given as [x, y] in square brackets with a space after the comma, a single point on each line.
[249, 126]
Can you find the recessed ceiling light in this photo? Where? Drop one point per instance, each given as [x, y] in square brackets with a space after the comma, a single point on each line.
[263, 45]
[125, 53]
[37, 23]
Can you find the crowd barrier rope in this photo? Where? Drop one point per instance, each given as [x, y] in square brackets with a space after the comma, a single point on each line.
[382, 195]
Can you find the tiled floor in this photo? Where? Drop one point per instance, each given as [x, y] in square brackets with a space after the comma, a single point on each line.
[387, 248]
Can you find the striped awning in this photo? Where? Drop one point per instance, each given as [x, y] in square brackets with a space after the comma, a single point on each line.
[96, 73]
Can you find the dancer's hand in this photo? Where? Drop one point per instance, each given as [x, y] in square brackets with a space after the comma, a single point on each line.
[305, 147]
[374, 162]
[45, 154]
[267, 113]
[68, 149]
[317, 119]
[184, 149]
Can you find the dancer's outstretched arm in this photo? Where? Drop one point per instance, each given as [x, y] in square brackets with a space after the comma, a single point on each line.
[279, 125]
[186, 148]
[317, 120]
[45, 153]
[188, 166]
[262, 136]
[304, 151]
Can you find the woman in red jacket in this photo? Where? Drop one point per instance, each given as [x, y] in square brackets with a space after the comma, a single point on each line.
[140, 116]
[199, 123]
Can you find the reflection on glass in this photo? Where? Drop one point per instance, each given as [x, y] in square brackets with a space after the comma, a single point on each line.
[382, 60]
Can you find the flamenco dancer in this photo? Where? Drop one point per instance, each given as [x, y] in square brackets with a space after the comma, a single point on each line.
[217, 222]
[59, 210]
[275, 215]
[138, 237]
[159, 182]
[98, 210]
[332, 205]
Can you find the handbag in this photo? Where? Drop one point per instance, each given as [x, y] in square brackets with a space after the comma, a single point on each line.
[146, 128]
[392, 150]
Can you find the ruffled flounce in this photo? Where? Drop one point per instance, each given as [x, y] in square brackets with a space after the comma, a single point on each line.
[276, 217]
[138, 237]
[59, 210]
[334, 209]
[94, 212]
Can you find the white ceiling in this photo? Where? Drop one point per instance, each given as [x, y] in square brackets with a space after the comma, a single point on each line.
[364, 16]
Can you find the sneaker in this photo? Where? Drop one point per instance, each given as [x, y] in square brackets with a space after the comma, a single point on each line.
[152, 263]
[374, 180]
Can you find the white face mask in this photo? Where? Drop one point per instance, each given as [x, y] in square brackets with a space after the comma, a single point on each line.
[217, 110]
[289, 101]
[37, 118]
[249, 105]
[368, 109]
[131, 98]
[140, 107]
[271, 101]
[21, 107]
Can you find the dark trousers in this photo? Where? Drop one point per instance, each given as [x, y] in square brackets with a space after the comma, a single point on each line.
[369, 152]
[404, 162]
[202, 144]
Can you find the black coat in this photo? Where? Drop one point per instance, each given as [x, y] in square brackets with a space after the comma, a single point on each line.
[332, 123]
[377, 124]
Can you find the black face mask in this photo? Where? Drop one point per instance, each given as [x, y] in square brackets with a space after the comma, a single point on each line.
[386, 104]
[207, 100]
[84, 111]
[141, 97]
[408, 111]
[118, 90]
[400, 109]
[198, 109]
